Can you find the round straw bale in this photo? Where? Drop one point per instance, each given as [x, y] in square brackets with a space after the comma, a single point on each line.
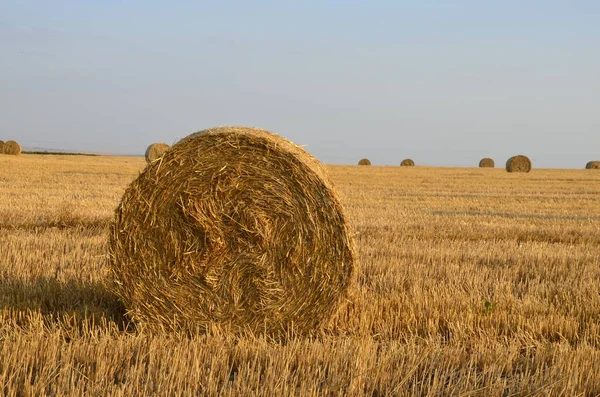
[235, 227]
[155, 151]
[12, 147]
[1, 147]
[407, 163]
[593, 165]
[364, 162]
[487, 163]
[518, 163]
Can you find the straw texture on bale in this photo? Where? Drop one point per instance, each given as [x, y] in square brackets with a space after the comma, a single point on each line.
[155, 151]
[1, 147]
[237, 228]
[487, 163]
[364, 162]
[518, 163]
[407, 163]
[593, 165]
[12, 147]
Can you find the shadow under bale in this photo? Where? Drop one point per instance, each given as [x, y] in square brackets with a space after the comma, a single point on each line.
[90, 302]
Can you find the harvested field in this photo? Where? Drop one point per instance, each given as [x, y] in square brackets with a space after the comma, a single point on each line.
[469, 282]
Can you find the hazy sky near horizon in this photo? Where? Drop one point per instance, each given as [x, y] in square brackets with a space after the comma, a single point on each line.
[442, 82]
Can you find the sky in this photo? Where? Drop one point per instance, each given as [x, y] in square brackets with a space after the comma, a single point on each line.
[442, 82]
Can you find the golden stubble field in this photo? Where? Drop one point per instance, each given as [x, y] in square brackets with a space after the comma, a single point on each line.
[470, 282]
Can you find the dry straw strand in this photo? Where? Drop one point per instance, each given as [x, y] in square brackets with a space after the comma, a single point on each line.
[487, 163]
[518, 163]
[364, 162]
[593, 165]
[12, 147]
[407, 163]
[236, 227]
[155, 151]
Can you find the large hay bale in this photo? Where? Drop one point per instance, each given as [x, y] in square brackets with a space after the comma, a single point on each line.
[593, 165]
[1, 147]
[155, 151]
[12, 147]
[235, 227]
[487, 163]
[518, 163]
[407, 163]
[364, 162]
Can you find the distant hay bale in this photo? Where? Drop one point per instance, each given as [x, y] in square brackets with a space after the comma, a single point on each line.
[407, 163]
[487, 163]
[235, 227]
[155, 151]
[12, 147]
[1, 147]
[518, 163]
[593, 165]
[364, 162]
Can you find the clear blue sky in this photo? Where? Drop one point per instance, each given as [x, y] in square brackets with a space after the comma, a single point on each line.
[443, 82]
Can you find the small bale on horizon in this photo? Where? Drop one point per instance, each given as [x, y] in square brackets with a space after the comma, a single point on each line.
[364, 162]
[155, 151]
[519, 163]
[487, 162]
[1, 147]
[407, 163]
[235, 228]
[593, 165]
[12, 148]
